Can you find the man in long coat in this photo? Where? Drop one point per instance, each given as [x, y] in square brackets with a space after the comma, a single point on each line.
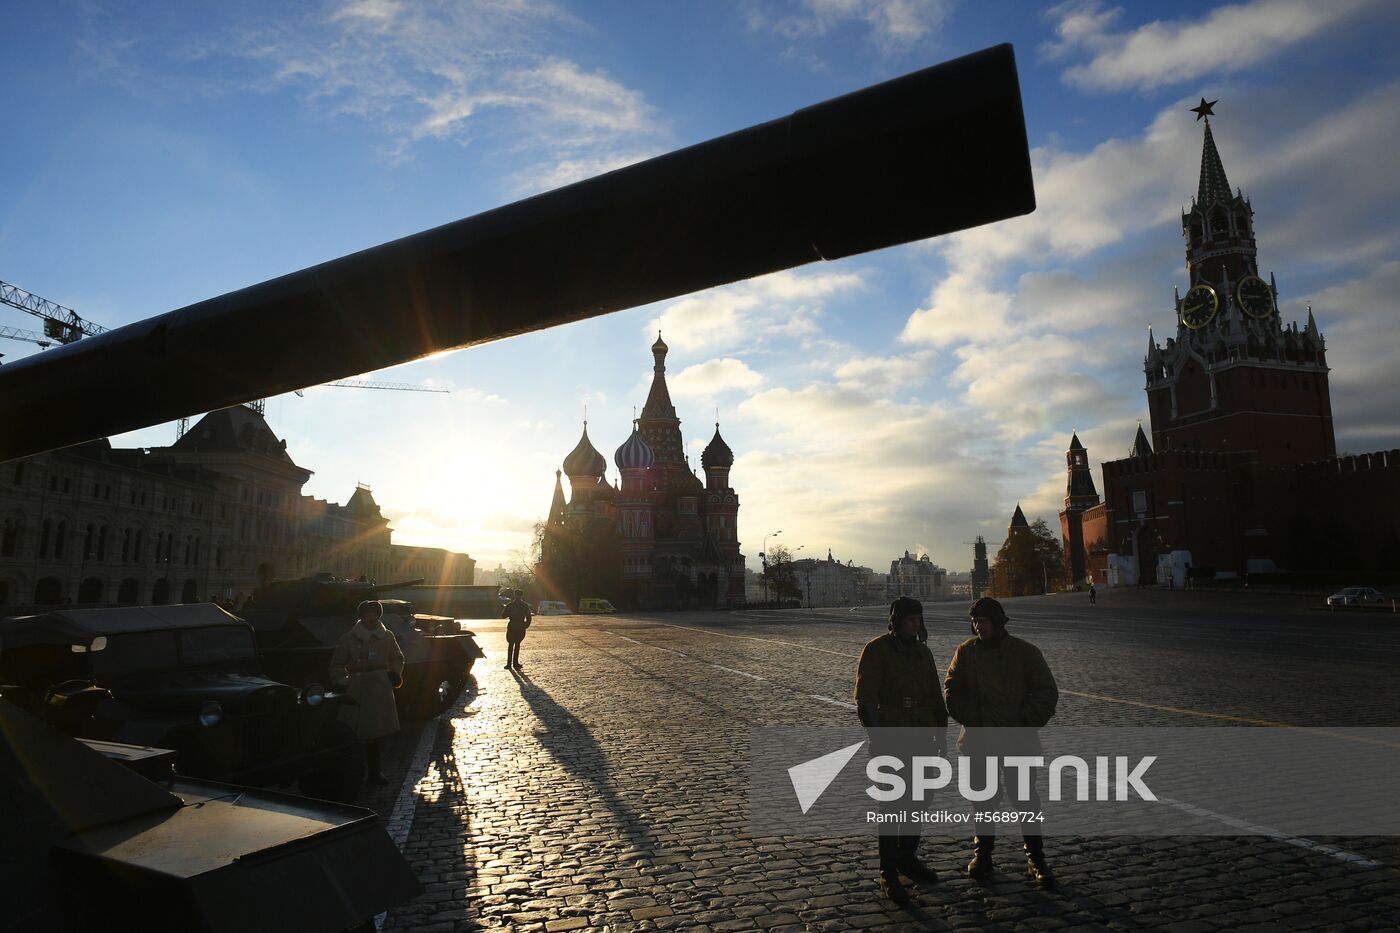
[1000, 688]
[897, 686]
[367, 659]
[518, 611]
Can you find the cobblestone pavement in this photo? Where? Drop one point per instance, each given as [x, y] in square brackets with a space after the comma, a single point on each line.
[604, 788]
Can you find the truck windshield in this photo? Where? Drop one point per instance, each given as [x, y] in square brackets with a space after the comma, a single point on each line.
[136, 651]
[214, 645]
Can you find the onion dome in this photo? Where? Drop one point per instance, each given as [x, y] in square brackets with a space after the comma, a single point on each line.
[584, 460]
[635, 453]
[605, 492]
[717, 452]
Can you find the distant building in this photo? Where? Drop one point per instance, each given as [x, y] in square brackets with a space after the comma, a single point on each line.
[831, 583]
[981, 578]
[918, 577]
[1003, 580]
[217, 513]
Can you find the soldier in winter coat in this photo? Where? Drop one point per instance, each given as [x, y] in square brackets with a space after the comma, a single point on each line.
[1000, 681]
[897, 686]
[368, 661]
[518, 611]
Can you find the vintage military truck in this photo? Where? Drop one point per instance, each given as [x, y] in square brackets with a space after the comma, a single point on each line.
[186, 678]
[299, 622]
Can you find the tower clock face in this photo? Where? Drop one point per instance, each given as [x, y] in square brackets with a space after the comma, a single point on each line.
[1255, 296]
[1199, 306]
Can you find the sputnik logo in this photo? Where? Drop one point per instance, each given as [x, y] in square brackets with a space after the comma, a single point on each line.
[810, 779]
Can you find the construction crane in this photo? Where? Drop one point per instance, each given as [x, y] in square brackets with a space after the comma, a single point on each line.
[61, 324]
[64, 325]
[259, 405]
[14, 333]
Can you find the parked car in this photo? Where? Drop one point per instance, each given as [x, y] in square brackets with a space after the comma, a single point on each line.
[1357, 596]
[592, 606]
[186, 678]
[552, 607]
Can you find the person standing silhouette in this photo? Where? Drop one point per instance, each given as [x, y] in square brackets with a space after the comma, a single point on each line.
[367, 659]
[518, 611]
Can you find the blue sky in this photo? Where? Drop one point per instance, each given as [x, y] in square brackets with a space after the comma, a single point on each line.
[159, 154]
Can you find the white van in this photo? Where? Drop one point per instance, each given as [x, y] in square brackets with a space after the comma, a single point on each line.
[552, 607]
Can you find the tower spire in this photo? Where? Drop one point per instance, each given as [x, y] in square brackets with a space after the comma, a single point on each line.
[1214, 186]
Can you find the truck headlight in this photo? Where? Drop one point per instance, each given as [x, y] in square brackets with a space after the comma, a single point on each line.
[313, 694]
[210, 714]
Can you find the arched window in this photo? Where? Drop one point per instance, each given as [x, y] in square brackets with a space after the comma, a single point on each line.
[136, 547]
[90, 591]
[126, 545]
[189, 546]
[89, 539]
[9, 537]
[44, 531]
[60, 538]
[48, 592]
[102, 543]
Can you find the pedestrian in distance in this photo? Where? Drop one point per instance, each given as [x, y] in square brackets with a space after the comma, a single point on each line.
[1000, 688]
[368, 662]
[1093, 594]
[518, 611]
[897, 686]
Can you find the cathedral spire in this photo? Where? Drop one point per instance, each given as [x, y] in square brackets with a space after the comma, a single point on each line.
[659, 398]
[556, 506]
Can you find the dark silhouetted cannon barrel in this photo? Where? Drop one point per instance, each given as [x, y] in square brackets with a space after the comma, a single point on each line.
[939, 150]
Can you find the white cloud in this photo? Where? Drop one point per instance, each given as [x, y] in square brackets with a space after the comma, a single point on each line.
[886, 374]
[893, 25]
[463, 72]
[751, 313]
[1229, 39]
[713, 377]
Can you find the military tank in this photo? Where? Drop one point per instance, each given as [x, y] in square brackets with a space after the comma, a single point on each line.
[297, 624]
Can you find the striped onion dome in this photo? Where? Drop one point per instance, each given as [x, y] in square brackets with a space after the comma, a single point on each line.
[635, 453]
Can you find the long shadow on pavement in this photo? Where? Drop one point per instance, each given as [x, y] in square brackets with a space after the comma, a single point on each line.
[573, 746]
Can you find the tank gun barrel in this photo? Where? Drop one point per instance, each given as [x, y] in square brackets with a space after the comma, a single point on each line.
[935, 151]
[387, 587]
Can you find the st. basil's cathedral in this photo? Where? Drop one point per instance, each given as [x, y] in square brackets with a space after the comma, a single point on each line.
[1241, 475]
[663, 537]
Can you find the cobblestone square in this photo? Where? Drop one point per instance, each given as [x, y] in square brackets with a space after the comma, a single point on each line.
[605, 786]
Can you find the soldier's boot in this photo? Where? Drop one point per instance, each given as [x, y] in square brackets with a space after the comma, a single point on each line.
[373, 772]
[980, 868]
[891, 887]
[909, 864]
[1036, 868]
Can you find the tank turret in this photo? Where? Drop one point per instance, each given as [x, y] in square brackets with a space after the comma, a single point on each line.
[319, 595]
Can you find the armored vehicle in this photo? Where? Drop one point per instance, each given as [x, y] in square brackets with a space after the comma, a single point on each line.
[97, 839]
[299, 622]
[186, 678]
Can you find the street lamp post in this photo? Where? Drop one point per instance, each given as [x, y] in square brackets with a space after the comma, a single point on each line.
[763, 556]
[792, 560]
